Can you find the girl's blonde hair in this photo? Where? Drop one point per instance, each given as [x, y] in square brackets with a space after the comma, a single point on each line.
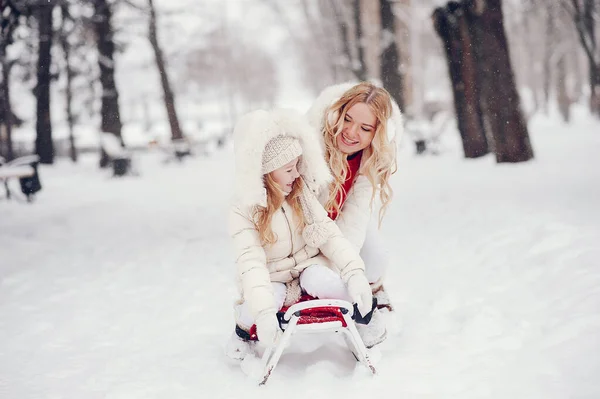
[378, 159]
[263, 216]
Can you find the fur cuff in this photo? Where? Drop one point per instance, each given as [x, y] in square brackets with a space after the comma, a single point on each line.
[293, 292]
[317, 234]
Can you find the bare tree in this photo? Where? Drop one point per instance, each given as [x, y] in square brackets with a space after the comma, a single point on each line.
[585, 14]
[530, 40]
[347, 16]
[169, 97]
[246, 71]
[330, 29]
[321, 63]
[342, 40]
[543, 40]
[63, 38]
[9, 15]
[360, 67]
[549, 44]
[563, 97]
[499, 97]
[328, 61]
[110, 111]
[44, 146]
[451, 25]
[390, 60]
[341, 19]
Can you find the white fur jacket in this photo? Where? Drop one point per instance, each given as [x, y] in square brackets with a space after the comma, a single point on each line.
[357, 209]
[258, 265]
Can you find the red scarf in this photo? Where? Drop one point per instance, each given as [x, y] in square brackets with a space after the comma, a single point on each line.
[353, 166]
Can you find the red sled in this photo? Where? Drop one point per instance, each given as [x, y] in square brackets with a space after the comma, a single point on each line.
[316, 316]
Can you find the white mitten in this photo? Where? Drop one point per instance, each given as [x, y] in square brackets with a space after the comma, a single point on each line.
[267, 329]
[360, 293]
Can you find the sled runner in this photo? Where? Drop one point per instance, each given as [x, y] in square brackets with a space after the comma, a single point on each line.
[314, 316]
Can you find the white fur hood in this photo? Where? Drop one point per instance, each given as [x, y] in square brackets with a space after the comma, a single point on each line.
[329, 95]
[252, 133]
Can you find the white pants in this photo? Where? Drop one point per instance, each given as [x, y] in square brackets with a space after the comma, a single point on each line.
[317, 280]
[321, 282]
[374, 254]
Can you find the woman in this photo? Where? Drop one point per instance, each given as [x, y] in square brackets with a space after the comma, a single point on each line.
[358, 125]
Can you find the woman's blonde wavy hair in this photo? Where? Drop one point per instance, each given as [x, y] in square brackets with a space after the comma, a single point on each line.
[378, 159]
[275, 198]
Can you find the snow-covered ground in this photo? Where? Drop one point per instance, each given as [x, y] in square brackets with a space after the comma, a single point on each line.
[122, 288]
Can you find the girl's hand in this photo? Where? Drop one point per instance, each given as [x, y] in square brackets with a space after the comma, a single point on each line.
[267, 329]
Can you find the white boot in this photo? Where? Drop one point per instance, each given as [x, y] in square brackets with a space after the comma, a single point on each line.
[374, 332]
[237, 348]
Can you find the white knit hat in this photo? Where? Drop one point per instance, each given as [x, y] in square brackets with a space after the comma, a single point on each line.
[279, 151]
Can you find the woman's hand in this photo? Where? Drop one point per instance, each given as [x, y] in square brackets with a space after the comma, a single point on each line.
[360, 293]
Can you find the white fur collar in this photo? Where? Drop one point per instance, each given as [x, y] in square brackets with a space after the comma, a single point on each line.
[329, 95]
[252, 133]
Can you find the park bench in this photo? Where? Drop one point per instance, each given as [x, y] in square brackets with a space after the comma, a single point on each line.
[426, 133]
[181, 148]
[24, 169]
[119, 157]
[175, 150]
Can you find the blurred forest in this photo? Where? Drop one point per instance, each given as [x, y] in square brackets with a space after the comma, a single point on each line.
[177, 73]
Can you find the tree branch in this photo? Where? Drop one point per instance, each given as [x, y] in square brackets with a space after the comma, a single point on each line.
[135, 6]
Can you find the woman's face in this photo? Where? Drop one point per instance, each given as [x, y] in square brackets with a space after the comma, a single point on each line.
[359, 129]
[286, 175]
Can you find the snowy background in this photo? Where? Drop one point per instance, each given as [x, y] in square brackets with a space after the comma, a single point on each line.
[123, 288]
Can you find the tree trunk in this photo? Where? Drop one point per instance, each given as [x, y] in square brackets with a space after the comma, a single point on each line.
[320, 30]
[500, 99]
[66, 47]
[328, 14]
[390, 61]
[549, 48]
[360, 67]
[10, 21]
[169, 97]
[370, 40]
[111, 118]
[577, 62]
[585, 24]
[43, 142]
[451, 25]
[5, 106]
[339, 12]
[407, 39]
[563, 97]
[589, 24]
[595, 88]
[530, 61]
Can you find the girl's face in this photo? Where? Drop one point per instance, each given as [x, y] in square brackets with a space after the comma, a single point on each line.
[286, 175]
[358, 130]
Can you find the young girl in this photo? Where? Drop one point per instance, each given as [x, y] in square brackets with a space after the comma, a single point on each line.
[357, 125]
[284, 241]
